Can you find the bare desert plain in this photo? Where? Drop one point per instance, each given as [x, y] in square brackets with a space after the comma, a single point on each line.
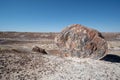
[19, 62]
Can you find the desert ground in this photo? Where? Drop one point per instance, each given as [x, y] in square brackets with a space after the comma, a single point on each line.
[19, 62]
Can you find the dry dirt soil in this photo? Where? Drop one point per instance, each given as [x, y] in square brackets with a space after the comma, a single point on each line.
[19, 62]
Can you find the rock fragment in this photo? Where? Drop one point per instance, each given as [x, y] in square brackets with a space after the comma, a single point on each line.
[38, 49]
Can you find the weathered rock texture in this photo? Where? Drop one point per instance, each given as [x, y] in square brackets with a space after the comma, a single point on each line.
[38, 49]
[80, 41]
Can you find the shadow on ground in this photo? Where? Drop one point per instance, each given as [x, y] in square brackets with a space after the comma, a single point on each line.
[111, 58]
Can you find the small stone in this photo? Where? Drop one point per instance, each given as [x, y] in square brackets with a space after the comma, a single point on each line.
[80, 41]
[38, 49]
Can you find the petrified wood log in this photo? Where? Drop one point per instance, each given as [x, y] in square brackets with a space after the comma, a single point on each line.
[80, 41]
[38, 49]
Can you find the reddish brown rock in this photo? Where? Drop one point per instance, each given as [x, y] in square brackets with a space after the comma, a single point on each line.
[38, 49]
[80, 41]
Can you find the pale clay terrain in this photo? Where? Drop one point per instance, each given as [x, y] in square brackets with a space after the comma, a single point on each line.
[19, 62]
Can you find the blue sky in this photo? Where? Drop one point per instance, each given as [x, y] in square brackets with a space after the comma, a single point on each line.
[54, 15]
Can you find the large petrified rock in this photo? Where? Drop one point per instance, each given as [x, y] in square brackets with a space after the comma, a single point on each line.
[80, 41]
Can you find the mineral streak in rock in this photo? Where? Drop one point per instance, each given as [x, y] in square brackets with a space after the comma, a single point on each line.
[82, 42]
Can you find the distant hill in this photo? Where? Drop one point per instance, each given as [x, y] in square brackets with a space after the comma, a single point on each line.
[51, 35]
[111, 36]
